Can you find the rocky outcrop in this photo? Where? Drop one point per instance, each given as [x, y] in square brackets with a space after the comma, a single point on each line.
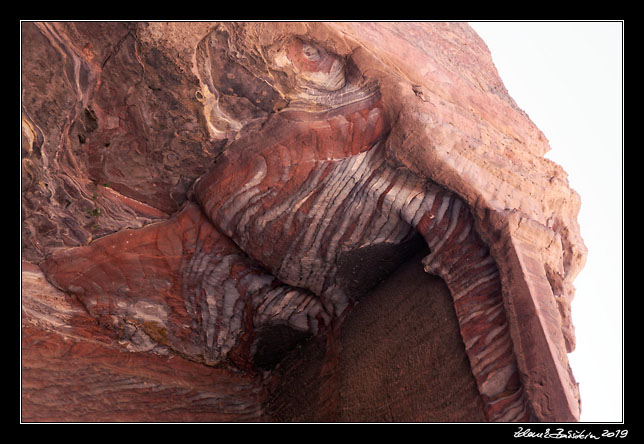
[218, 195]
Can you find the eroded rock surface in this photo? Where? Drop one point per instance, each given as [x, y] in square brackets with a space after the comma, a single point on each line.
[216, 195]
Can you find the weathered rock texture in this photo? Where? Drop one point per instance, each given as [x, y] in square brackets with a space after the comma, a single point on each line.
[219, 207]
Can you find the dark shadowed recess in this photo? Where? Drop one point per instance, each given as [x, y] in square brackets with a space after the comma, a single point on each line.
[397, 357]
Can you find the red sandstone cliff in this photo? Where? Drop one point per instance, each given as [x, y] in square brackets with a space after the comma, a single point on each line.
[140, 146]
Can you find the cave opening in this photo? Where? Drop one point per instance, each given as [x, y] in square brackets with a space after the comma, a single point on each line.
[397, 356]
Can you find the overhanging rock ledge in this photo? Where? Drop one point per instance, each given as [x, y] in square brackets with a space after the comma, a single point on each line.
[215, 217]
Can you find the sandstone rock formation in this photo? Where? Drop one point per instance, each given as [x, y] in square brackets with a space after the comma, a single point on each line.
[212, 213]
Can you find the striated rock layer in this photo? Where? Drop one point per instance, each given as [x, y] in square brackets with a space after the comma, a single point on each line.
[214, 195]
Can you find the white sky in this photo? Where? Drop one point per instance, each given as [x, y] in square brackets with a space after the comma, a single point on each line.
[568, 77]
